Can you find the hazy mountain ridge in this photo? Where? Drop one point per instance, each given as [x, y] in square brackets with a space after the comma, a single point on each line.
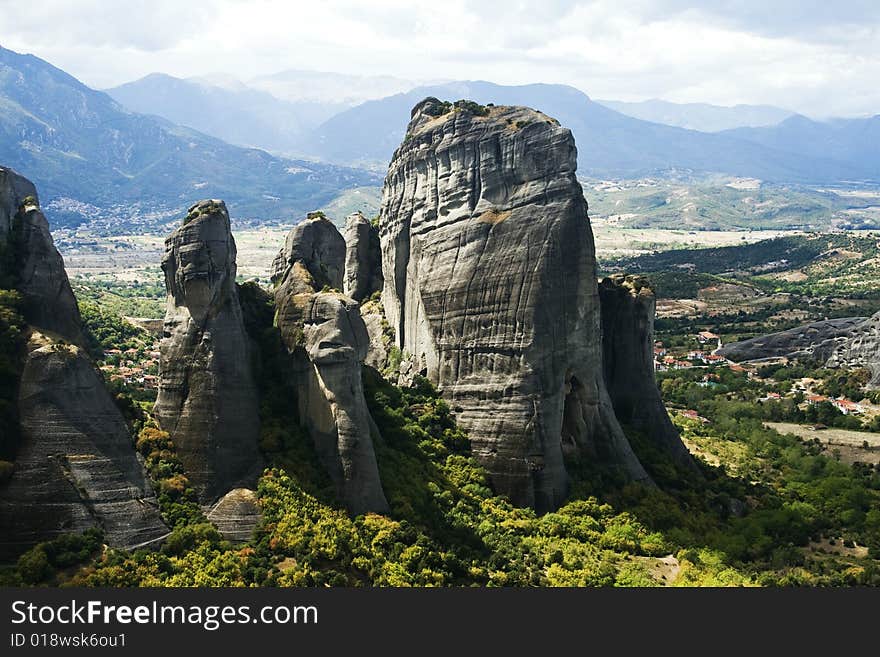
[700, 116]
[610, 144]
[243, 116]
[89, 156]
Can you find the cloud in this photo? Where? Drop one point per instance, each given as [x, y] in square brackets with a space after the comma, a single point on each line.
[816, 57]
[147, 26]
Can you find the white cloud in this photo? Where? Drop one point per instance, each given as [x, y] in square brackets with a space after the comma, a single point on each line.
[813, 56]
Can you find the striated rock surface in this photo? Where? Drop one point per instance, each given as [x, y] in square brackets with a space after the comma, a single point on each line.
[32, 263]
[236, 514]
[207, 396]
[860, 347]
[490, 287]
[76, 467]
[325, 334]
[363, 258]
[628, 305]
[815, 342]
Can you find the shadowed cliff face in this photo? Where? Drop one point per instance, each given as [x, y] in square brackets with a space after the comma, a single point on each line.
[628, 306]
[489, 269]
[33, 263]
[363, 262]
[328, 341]
[207, 396]
[76, 466]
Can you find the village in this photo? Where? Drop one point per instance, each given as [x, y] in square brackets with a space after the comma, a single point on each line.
[136, 368]
[704, 355]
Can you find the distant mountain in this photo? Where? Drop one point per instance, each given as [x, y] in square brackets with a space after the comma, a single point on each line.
[90, 158]
[332, 88]
[221, 108]
[610, 144]
[700, 116]
[856, 141]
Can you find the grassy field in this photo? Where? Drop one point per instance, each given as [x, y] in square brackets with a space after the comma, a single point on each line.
[729, 204]
[848, 445]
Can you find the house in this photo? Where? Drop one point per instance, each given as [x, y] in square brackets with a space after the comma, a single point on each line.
[693, 415]
[707, 336]
[812, 400]
[681, 365]
[847, 407]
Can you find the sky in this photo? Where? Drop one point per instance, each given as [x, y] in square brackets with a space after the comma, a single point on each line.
[820, 58]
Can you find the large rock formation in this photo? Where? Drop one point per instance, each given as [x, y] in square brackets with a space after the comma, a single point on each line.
[75, 466]
[207, 395]
[32, 262]
[628, 306]
[814, 342]
[363, 260]
[490, 287]
[859, 347]
[323, 330]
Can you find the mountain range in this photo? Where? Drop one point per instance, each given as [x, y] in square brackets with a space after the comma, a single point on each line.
[282, 145]
[92, 158]
[700, 116]
[641, 139]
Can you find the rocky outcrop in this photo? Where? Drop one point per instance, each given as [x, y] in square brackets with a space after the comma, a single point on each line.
[490, 287]
[236, 514]
[815, 342]
[628, 305]
[77, 467]
[860, 347]
[363, 258]
[31, 263]
[326, 336]
[207, 397]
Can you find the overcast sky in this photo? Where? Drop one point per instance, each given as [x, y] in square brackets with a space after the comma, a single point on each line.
[819, 57]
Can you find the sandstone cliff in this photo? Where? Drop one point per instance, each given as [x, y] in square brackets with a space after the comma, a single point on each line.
[859, 347]
[363, 260]
[32, 262]
[628, 306]
[75, 466]
[490, 286]
[326, 336]
[812, 342]
[207, 397]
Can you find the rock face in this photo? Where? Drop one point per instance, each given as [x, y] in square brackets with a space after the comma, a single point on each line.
[628, 305]
[327, 338]
[815, 342]
[207, 396]
[33, 262]
[77, 467]
[236, 514]
[490, 287]
[363, 258]
[860, 347]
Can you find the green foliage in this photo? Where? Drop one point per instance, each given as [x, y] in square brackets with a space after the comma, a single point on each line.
[472, 107]
[177, 500]
[42, 562]
[107, 330]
